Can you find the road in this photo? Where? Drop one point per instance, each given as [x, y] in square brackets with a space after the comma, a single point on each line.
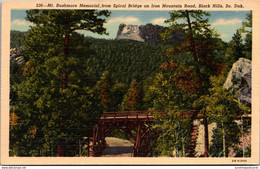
[117, 148]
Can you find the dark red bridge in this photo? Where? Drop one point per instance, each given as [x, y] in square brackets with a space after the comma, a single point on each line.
[134, 123]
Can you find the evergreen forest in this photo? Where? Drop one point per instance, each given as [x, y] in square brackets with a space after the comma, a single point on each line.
[67, 80]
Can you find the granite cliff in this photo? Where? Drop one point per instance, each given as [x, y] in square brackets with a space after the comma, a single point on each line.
[239, 80]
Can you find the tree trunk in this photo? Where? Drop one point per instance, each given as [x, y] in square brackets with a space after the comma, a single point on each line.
[224, 140]
[79, 147]
[194, 53]
[66, 53]
[61, 146]
[183, 145]
[206, 136]
[243, 140]
[64, 79]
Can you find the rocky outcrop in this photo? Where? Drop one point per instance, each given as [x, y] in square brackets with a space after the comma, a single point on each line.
[151, 33]
[143, 33]
[239, 80]
[16, 56]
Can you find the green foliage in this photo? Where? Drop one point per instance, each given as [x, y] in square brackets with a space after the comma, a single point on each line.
[220, 103]
[124, 59]
[111, 93]
[248, 46]
[232, 135]
[239, 47]
[233, 140]
[118, 91]
[248, 23]
[248, 39]
[174, 137]
[235, 49]
[120, 134]
[197, 36]
[15, 78]
[222, 107]
[68, 21]
[165, 93]
[104, 85]
[16, 39]
[239, 152]
[46, 112]
[133, 98]
[176, 87]
[179, 22]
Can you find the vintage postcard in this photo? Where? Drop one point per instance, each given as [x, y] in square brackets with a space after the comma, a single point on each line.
[130, 83]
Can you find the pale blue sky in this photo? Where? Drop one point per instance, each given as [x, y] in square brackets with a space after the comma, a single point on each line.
[225, 22]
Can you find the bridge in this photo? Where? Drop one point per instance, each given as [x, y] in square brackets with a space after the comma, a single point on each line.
[136, 124]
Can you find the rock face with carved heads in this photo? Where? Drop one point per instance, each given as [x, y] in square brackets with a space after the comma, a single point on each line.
[131, 32]
[143, 33]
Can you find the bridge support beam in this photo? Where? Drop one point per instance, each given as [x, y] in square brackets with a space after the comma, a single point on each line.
[142, 141]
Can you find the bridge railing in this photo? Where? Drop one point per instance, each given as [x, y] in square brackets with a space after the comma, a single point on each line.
[144, 114]
[131, 114]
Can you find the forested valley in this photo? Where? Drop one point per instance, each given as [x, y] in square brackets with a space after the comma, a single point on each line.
[67, 80]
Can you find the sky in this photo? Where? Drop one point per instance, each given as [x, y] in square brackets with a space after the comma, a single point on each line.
[225, 22]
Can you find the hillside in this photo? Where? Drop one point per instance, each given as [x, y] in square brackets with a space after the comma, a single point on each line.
[16, 38]
[124, 59]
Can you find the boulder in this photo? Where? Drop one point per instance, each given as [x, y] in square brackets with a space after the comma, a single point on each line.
[16, 56]
[239, 80]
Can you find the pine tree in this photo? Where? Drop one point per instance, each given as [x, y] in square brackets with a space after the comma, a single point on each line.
[235, 49]
[66, 22]
[194, 28]
[194, 25]
[247, 28]
[222, 107]
[47, 112]
[168, 95]
[133, 98]
[104, 86]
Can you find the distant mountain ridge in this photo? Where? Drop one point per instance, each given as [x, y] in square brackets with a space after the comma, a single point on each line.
[17, 38]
